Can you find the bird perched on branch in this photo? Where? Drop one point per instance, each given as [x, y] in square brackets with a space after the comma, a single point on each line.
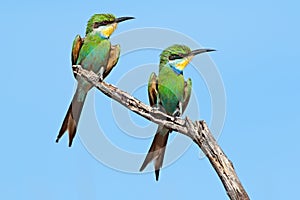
[170, 93]
[94, 53]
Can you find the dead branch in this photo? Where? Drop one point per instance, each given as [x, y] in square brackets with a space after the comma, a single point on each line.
[198, 131]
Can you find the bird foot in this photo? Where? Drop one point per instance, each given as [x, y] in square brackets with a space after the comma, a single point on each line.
[177, 113]
[101, 74]
[155, 108]
[100, 77]
[176, 118]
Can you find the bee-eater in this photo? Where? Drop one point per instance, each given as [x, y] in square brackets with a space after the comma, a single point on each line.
[94, 53]
[170, 93]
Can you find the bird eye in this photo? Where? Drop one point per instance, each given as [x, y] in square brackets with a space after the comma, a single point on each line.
[97, 24]
[104, 23]
[174, 57]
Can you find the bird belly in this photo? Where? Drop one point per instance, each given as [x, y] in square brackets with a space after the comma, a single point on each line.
[94, 55]
[171, 92]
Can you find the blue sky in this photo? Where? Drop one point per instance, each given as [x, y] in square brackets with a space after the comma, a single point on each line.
[257, 59]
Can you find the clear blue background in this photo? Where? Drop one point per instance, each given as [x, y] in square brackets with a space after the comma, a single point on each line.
[258, 58]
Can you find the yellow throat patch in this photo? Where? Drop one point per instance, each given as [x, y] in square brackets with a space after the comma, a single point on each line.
[107, 31]
[181, 65]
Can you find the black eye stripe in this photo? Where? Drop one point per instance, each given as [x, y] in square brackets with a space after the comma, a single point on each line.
[175, 56]
[103, 23]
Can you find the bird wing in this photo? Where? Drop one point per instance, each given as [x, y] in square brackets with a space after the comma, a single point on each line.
[152, 89]
[77, 44]
[186, 93]
[158, 146]
[113, 59]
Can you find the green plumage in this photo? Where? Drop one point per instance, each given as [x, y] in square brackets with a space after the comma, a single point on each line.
[170, 84]
[170, 89]
[98, 18]
[93, 53]
[169, 92]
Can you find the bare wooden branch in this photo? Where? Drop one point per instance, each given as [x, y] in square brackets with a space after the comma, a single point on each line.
[198, 131]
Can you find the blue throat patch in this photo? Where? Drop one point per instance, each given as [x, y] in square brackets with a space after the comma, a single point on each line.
[103, 37]
[177, 71]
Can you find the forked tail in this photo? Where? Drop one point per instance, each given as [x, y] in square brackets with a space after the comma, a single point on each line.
[157, 150]
[72, 117]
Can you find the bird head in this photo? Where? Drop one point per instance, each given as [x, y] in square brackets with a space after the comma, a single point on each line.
[104, 24]
[179, 56]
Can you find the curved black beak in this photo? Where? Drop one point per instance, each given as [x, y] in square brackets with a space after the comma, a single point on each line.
[121, 19]
[198, 51]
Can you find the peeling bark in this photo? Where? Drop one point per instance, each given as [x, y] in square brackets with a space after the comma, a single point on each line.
[198, 131]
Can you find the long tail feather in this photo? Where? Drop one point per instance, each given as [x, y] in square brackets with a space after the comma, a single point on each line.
[157, 150]
[72, 117]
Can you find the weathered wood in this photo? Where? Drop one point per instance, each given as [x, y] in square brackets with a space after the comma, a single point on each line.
[198, 131]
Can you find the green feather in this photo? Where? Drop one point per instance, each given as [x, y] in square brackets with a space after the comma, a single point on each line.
[98, 18]
[94, 53]
[170, 84]
[170, 89]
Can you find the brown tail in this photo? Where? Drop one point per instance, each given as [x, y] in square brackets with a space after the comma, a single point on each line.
[72, 117]
[157, 150]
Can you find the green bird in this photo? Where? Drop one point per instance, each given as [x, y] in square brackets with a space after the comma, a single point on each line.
[170, 93]
[94, 53]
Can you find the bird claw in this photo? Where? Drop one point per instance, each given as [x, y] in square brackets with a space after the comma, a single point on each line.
[175, 118]
[101, 74]
[178, 111]
[75, 69]
[155, 108]
[100, 77]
